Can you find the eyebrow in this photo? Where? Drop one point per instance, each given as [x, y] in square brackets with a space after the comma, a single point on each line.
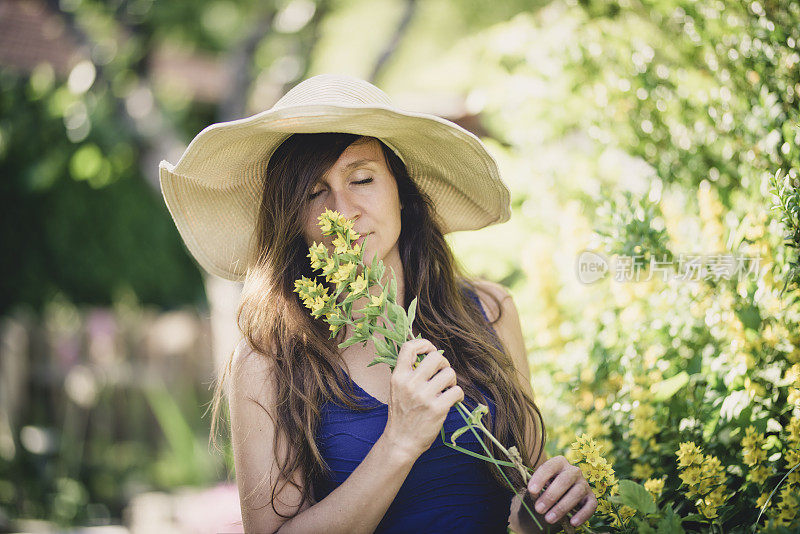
[352, 165]
[358, 163]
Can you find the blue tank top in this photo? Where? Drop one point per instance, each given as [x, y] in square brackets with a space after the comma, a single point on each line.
[445, 490]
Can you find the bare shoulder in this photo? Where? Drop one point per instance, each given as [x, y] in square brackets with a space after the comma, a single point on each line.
[250, 371]
[253, 430]
[503, 314]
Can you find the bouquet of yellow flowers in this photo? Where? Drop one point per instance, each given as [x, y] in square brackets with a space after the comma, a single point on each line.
[346, 271]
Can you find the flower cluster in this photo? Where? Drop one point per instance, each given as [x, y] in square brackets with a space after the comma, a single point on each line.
[600, 474]
[315, 296]
[787, 507]
[704, 477]
[643, 430]
[754, 455]
[341, 270]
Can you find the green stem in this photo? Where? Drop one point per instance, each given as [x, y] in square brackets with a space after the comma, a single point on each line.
[761, 512]
[465, 416]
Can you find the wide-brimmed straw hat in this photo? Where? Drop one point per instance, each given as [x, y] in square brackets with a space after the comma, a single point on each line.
[214, 191]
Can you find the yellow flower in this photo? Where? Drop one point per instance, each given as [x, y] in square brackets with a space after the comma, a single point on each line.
[343, 272]
[655, 486]
[301, 286]
[762, 500]
[710, 504]
[596, 469]
[691, 476]
[689, 454]
[711, 467]
[358, 285]
[752, 451]
[376, 300]
[317, 252]
[330, 221]
[793, 428]
[760, 474]
[792, 457]
[624, 513]
[340, 245]
[793, 374]
[329, 268]
[644, 428]
[318, 304]
[642, 471]
[325, 225]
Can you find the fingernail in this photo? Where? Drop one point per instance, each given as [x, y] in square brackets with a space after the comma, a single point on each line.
[534, 488]
[540, 507]
[550, 517]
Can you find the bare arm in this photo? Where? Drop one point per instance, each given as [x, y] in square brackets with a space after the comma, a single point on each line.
[357, 505]
[361, 501]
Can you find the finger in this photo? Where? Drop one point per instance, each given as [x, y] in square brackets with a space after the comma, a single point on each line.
[585, 511]
[570, 500]
[562, 483]
[449, 397]
[429, 365]
[443, 379]
[408, 354]
[545, 472]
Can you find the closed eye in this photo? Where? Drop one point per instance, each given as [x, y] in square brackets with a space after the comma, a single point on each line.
[360, 182]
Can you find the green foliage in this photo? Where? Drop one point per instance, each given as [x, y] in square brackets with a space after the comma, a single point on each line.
[633, 228]
[78, 219]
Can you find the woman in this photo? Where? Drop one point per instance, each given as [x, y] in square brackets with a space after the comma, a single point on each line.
[321, 441]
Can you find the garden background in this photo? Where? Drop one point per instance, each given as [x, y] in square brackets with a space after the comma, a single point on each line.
[652, 148]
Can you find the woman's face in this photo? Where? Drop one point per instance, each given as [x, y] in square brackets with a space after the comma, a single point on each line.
[360, 186]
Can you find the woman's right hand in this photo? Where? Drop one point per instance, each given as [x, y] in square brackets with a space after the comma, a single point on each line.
[420, 398]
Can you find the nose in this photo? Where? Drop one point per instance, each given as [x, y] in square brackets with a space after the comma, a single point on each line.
[344, 203]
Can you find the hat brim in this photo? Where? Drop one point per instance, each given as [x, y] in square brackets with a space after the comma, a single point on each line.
[213, 192]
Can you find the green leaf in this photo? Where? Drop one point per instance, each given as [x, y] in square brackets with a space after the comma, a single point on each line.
[750, 317]
[382, 348]
[478, 413]
[642, 527]
[352, 340]
[391, 313]
[393, 288]
[669, 523]
[412, 310]
[667, 388]
[391, 362]
[402, 320]
[457, 433]
[390, 334]
[636, 496]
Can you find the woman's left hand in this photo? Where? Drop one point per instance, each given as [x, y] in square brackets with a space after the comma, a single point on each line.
[568, 490]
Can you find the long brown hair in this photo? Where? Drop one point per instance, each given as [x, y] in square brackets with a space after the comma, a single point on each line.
[307, 362]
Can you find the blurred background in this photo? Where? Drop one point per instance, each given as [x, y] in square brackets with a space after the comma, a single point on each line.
[652, 130]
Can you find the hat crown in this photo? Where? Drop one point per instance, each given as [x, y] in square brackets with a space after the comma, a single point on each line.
[336, 89]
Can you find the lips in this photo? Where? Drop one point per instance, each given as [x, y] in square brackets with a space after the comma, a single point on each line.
[360, 240]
